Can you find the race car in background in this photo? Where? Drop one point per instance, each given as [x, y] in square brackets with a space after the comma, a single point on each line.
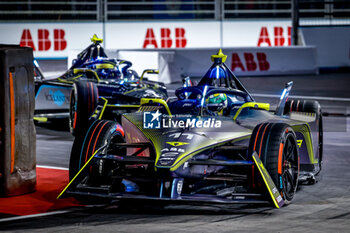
[75, 93]
[213, 143]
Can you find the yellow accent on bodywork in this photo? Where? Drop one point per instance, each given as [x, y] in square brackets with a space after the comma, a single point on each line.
[148, 71]
[128, 92]
[177, 143]
[105, 66]
[300, 142]
[104, 107]
[263, 173]
[308, 140]
[238, 136]
[219, 55]
[95, 39]
[264, 106]
[76, 71]
[159, 101]
[76, 175]
[40, 119]
[71, 80]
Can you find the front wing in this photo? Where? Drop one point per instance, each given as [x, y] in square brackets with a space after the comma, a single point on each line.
[76, 187]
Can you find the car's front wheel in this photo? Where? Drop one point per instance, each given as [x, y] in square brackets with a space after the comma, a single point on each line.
[276, 145]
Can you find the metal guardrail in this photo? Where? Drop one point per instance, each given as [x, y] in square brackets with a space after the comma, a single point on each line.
[161, 9]
[310, 11]
[34, 10]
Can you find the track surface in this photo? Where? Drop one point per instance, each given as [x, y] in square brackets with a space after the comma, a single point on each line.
[323, 207]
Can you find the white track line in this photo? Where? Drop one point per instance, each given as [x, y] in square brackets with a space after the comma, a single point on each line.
[306, 97]
[53, 167]
[297, 96]
[34, 215]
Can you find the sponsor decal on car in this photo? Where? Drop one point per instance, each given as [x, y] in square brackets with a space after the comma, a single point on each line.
[156, 120]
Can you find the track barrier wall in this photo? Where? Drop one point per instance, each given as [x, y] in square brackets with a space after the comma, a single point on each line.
[55, 40]
[249, 61]
[332, 43]
[17, 131]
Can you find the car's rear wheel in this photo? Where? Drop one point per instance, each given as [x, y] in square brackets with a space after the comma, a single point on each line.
[83, 101]
[276, 145]
[309, 106]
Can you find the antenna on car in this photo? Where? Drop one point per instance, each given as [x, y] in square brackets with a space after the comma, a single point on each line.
[95, 39]
[220, 57]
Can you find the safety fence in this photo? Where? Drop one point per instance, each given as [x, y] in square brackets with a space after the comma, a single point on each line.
[311, 12]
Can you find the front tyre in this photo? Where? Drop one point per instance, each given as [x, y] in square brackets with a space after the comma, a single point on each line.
[276, 145]
[100, 133]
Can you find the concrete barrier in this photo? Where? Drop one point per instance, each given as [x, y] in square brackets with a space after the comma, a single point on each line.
[332, 43]
[249, 61]
[17, 131]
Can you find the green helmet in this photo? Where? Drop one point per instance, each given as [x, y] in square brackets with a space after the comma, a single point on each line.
[217, 98]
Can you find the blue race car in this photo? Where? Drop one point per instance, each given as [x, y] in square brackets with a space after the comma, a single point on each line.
[75, 94]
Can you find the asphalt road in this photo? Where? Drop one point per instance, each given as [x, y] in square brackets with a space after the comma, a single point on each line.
[323, 207]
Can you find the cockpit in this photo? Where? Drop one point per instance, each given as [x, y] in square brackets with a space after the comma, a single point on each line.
[219, 92]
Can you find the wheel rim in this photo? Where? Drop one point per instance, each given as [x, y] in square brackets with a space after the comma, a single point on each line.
[290, 167]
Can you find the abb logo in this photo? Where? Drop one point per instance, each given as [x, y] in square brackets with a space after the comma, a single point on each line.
[250, 63]
[279, 39]
[44, 43]
[165, 38]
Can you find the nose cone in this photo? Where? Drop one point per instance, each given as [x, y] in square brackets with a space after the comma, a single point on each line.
[177, 146]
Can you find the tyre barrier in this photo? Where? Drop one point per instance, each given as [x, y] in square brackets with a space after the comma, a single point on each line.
[17, 130]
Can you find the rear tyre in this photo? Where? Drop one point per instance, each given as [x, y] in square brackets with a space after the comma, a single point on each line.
[83, 101]
[276, 145]
[310, 106]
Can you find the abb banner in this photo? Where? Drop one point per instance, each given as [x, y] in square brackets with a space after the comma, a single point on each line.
[56, 39]
[157, 35]
[50, 39]
[257, 33]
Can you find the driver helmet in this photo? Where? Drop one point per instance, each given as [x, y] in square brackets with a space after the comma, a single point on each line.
[217, 103]
[108, 71]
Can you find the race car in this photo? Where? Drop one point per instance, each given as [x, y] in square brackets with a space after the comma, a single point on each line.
[75, 93]
[212, 144]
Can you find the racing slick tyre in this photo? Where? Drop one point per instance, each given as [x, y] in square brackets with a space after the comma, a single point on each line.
[276, 145]
[83, 101]
[100, 133]
[309, 106]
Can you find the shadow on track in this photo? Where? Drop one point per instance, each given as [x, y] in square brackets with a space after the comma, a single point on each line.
[122, 213]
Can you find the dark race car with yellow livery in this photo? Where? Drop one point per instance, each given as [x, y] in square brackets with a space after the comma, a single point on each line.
[75, 94]
[211, 144]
